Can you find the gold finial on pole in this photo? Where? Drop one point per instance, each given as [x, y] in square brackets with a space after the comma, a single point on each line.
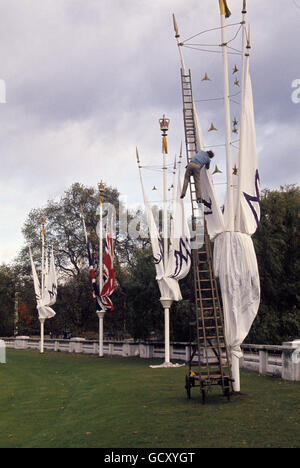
[101, 188]
[164, 127]
[224, 8]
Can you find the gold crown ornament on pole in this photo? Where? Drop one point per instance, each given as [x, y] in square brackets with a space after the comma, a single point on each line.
[164, 127]
[101, 188]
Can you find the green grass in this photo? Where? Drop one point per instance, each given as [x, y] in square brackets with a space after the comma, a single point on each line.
[60, 400]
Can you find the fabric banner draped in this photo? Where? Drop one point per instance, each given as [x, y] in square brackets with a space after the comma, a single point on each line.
[236, 266]
[234, 255]
[179, 255]
[47, 297]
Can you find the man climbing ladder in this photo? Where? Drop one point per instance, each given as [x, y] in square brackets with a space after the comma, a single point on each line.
[201, 159]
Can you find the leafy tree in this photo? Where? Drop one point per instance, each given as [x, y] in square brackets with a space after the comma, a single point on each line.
[7, 300]
[75, 306]
[144, 310]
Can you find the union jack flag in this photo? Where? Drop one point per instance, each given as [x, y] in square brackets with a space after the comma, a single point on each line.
[108, 274]
[103, 301]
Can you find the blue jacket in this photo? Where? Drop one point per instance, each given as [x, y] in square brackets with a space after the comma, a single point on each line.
[202, 159]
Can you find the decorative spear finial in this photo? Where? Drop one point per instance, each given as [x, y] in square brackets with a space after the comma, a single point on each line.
[248, 40]
[175, 165]
[244, 11]
[137, 156]
[180, 154]
[175, 27]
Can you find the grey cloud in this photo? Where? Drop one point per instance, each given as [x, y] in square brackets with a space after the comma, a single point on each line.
[87, 81]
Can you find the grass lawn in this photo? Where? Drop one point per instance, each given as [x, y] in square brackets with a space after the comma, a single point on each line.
[66, 401]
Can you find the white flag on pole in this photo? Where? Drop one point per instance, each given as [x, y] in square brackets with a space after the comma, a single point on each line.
[48, 298]
[249, 196]
[234, 256]
[179, 256]
[50, 292]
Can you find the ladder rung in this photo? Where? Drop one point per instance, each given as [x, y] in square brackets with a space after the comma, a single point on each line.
[212, 318]
[210, 376]
[213, 347]
[210, 337]
[211, 327]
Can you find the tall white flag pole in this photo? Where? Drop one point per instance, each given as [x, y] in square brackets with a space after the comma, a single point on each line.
[101, 313]
[165, 301]
[242, 105]
[42, 320]
[229, 213]
[84, 225]
[229, 203]
[235, 362]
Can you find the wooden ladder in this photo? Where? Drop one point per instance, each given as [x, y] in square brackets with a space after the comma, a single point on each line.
[209, 362]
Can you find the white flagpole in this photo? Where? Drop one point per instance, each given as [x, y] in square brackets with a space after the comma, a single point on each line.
[229, 205]
[165, 301]
[229, 216]
[101, 313]
[235, 360]
[84, 225]
[42, 320]
[242, 105]
[177, 36]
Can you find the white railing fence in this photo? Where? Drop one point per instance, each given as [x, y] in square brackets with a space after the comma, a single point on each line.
[282, 361]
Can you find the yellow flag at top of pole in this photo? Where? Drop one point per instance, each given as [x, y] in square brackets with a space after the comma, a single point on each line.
[43, 221]
[224, 8]
[165, 145]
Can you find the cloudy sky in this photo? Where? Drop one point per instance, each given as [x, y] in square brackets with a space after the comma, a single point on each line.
[87, 80]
